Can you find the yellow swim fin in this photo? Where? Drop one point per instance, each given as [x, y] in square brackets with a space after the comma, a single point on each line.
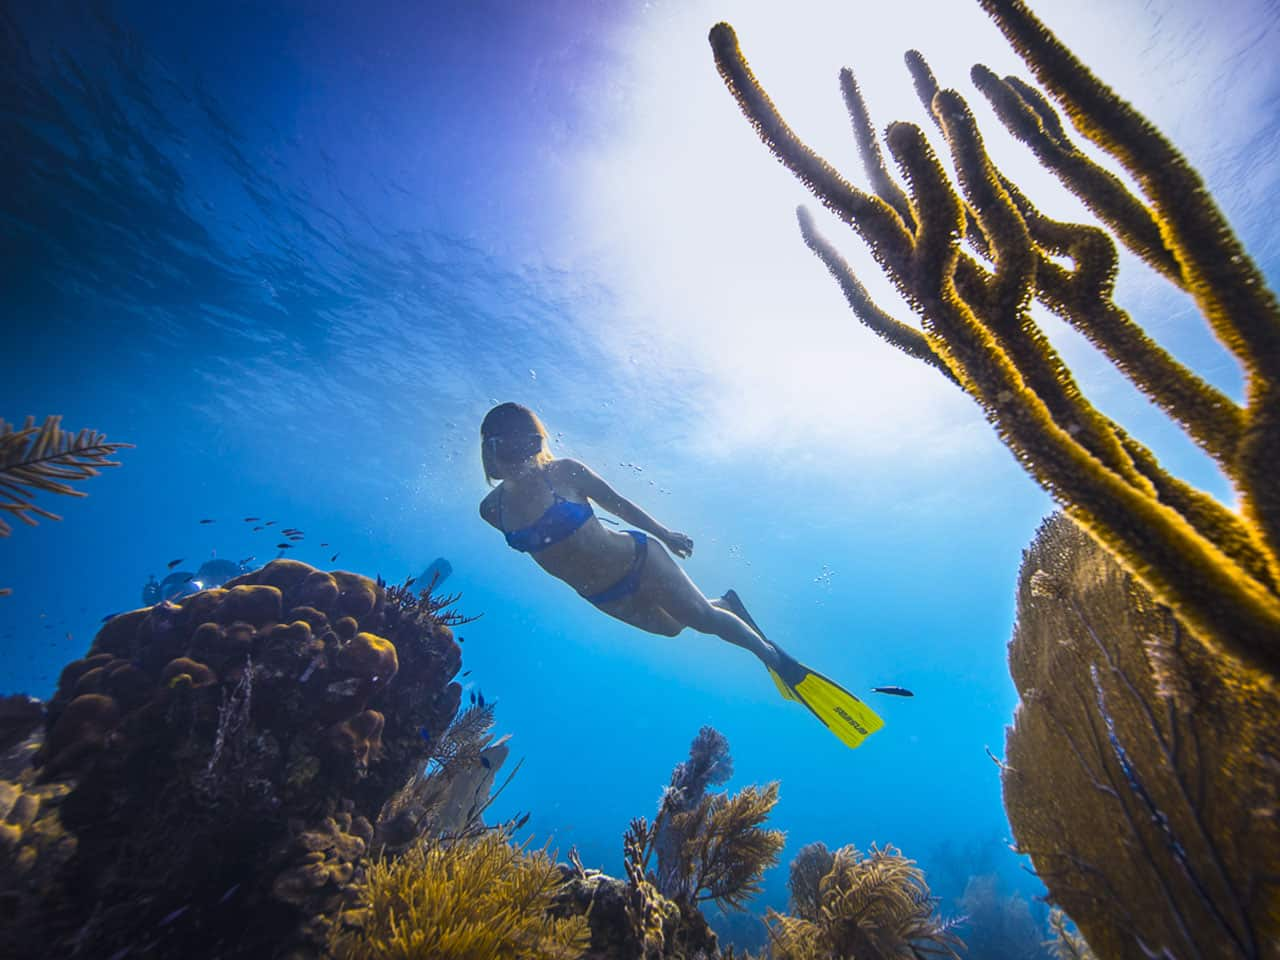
[844, 714]
[782, 687]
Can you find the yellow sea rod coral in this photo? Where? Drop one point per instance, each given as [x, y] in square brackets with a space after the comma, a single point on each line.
[469, 900]
[1218, 569]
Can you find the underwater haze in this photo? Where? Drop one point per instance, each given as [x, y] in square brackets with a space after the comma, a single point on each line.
[294, 252]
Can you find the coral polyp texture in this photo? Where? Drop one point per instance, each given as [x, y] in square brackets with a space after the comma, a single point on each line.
[210, 771]
[1141, 771]
[1219, 569]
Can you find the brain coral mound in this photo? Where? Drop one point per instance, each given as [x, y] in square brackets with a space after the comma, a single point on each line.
[220, 762]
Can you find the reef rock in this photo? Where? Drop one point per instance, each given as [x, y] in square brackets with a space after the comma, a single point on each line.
[208, 773]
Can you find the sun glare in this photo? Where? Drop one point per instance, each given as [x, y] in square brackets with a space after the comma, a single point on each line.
[686, 214]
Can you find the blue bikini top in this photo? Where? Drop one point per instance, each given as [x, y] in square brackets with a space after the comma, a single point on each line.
[557, 522]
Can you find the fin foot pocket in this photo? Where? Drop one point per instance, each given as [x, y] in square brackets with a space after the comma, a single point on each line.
[851, 720]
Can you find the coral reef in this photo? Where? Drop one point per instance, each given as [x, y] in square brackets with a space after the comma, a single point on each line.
[216, 766]
[472, 899]
[444, 799]
[851, 906]
[710, 848]
[1218, 569]
[42, 458]
[998, 927]
[1141, 770]
[709, 764]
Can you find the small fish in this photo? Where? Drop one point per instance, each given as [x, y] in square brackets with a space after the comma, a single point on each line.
[473, 697]
[109, 616]
[256, 529]
[894, 691]
[284, 546]
[252, 519]
[324, 544]
[231, 892]
[333, 558]
[466, 673]
[173, 563]
[484, 762]
[247, 560]
[411, 581]
[206, 520]
[270, 523]
[294, 537]
[521, 822]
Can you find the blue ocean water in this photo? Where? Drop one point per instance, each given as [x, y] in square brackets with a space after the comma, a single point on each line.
[294, 254]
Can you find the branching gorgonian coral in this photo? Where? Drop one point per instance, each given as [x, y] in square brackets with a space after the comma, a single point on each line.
[1218, 569]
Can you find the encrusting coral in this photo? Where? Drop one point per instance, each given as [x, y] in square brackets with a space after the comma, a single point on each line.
[847, 905]
[470, 899]
[216, 766]
[42, 458]
[1141, 771]
[1218, 569]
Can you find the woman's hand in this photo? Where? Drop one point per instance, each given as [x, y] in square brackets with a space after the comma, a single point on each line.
[680, 544]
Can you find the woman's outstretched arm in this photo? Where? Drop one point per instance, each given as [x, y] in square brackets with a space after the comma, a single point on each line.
[594, 487]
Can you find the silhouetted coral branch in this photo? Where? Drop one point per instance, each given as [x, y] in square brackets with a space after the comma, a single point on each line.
[1219, 570]
[425, 603]
[42, 458]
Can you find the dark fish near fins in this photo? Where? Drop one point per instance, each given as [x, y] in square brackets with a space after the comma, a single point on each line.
[173, 563]
[894, 691]
[252, 519]
[284, 546]
[333, 558]
[206, 521]
[269, 523]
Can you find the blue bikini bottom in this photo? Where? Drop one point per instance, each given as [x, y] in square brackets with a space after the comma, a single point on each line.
[631, 579]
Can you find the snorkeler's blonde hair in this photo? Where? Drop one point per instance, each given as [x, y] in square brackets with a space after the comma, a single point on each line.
[511, 435]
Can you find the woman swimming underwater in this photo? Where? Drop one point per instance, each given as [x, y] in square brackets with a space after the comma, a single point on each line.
[543, 507]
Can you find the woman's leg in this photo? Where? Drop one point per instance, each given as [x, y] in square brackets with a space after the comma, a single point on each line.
[665, 585]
